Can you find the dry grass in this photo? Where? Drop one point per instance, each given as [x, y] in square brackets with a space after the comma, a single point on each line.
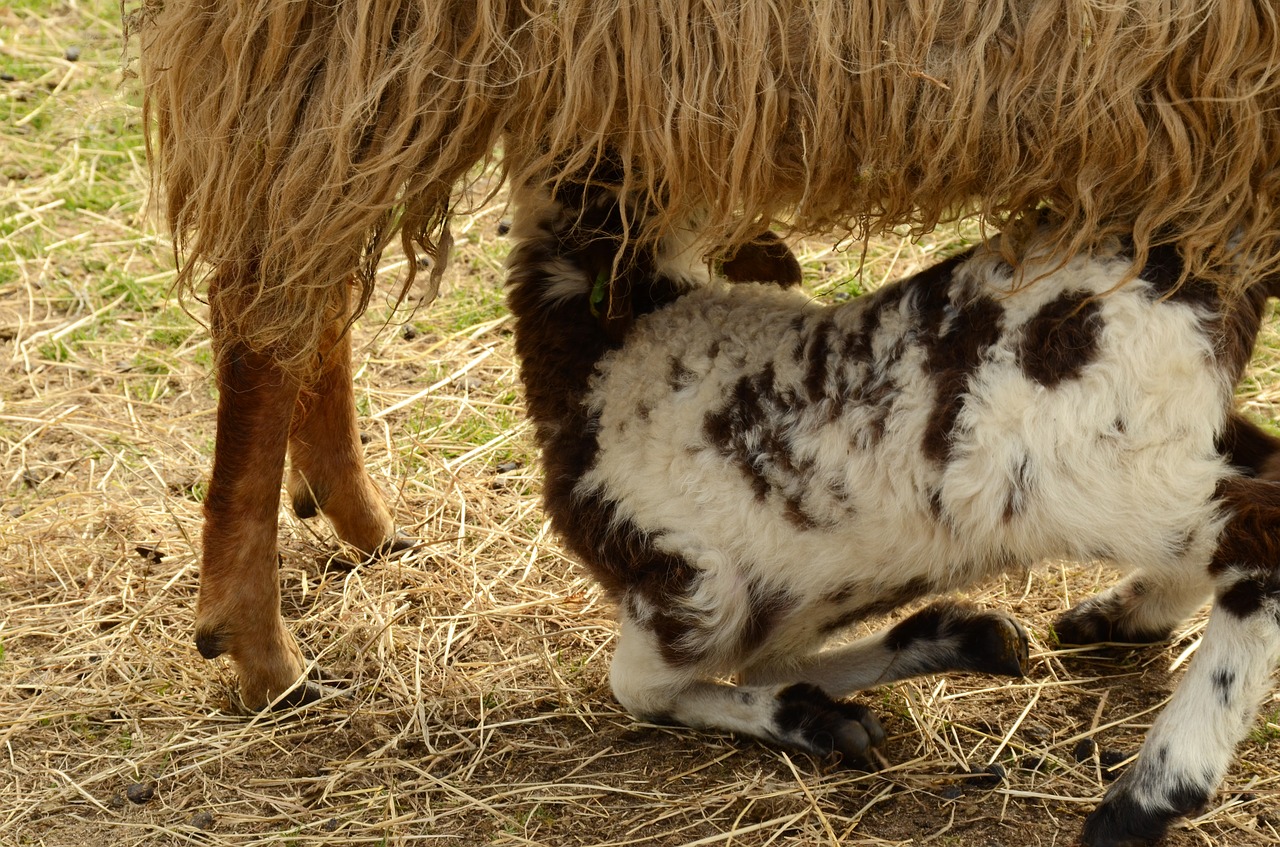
[479, 710]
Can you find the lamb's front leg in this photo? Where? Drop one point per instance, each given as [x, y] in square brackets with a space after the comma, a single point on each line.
[795, 716]
[940, 638]
[1188, 750]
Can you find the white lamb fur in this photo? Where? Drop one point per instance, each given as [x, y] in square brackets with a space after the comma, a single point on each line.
[749, 472]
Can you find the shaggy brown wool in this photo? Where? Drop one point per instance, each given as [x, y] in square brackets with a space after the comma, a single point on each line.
[293, 139]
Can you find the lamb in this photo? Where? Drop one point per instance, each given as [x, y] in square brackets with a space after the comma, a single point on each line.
[748, 473]
[292, 140]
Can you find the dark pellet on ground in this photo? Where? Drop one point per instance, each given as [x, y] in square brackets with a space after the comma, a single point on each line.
[8, 78]
[408, 332]
[1031, 763]
[202, 820]
[1084, 750]
[331, 825]
[508, 467]
[72, 54]
[989, 777]
[140, 793]
[1036, 733]
[365, 438]
[951, 792]
[504, 227]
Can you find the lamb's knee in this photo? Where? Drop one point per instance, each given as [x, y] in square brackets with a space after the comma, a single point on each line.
[642, 681]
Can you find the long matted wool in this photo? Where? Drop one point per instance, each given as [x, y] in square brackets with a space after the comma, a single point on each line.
[294, 138]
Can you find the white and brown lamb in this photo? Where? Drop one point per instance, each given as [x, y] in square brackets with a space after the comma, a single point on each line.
[748, 473]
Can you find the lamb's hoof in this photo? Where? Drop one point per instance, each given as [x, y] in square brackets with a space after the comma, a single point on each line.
[1121, 821]
[810, 721]
[997, 644]
[1098, 620]
[950, 636]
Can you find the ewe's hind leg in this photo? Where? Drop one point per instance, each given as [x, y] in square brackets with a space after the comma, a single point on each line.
[327, 472]
[1189, 748]
[798, 717]
[238, 613]
[941, 638]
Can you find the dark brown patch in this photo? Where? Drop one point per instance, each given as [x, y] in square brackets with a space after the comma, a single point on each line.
[889, 598]
[768, 609]
[1163, 272]
[766, 258]
[751, 431]
[558, 345]
[1234, 323]
[952, 358]
[796, 330]
[795, 514]
[820, 358]
[1247, 446]
[1251, 538]
[1016, 500]
[1061, 340]
[1237, 331]
[679, 376]
[1244, 598]
[936, 508]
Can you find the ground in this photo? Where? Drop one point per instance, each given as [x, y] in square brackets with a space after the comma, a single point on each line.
[478, 709]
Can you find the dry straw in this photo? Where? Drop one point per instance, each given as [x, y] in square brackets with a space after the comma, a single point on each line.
[478, 708]
[293, 139]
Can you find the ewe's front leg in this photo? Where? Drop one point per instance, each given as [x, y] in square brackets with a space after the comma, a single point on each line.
[238, 612]
[1188, 750]
[795, 716]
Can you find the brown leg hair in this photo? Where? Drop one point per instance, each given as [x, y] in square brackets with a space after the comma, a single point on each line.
[327, 472]
[238, 613]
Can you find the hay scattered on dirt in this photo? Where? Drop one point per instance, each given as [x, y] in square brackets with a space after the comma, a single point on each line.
[479, 711]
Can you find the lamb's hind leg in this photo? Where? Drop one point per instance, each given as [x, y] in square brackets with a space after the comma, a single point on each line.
[327, 472]
[1190, 746]
[1143, 608]
[1147, 606]
[796, 716]
[943, 637]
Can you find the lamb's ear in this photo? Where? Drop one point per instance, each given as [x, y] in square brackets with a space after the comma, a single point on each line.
[765, 258]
